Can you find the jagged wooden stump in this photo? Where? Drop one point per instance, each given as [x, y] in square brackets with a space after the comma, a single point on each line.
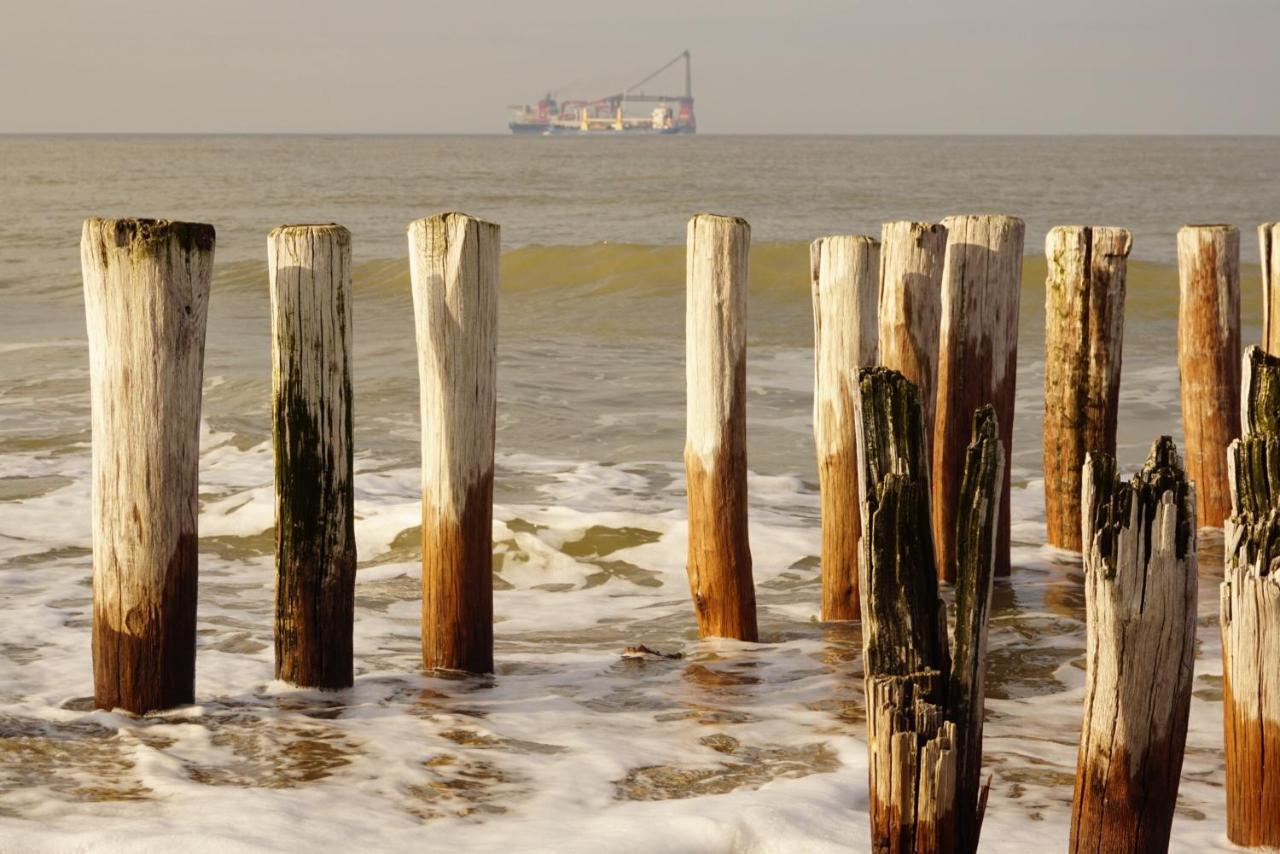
[924, 708]
[1250, 613]
[1141, 588]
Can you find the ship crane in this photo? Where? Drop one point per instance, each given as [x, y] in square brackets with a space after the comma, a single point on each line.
[609, 113]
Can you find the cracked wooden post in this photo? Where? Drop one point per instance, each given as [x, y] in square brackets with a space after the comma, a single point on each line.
[1209, 359]
[924, 706]
[715, 450]
[977, 362]
[910, 307]
[1269, 249]
[1140, 589]
[146, 292]
[844, 276]
[1084, 333]
[453, 262]
[1250, 613]
[310, 272]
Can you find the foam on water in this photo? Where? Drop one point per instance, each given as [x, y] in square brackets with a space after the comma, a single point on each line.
[735, 747]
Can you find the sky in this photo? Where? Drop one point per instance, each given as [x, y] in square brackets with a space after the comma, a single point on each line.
[857, 66]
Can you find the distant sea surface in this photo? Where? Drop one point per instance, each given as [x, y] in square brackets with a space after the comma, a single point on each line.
[568, 748]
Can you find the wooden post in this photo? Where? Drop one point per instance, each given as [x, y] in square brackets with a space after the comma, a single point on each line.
[453, 262]
[843, 273]
[146, 292]
[715, 450]
[924, 708]
[1209, 359]
[1084, 332]
[977, 361]
[1269, 249]
[310, 267]
[910, 315]
[1140, 590]
[1250, 613]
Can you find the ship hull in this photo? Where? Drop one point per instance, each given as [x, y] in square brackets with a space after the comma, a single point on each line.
[534, 129]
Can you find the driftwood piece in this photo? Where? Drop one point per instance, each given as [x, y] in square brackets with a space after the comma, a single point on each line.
[715, 451]
[977, 362]
[910, 312]
[1209, 359]
[1084, 331]
[1250, 612]
[146, 293]
[1269, 249]
[1141, 588]
[843, 275]
[310, 278]
[924, 707]
[454, 271]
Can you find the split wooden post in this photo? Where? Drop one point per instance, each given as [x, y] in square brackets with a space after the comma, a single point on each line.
[1140, 590]
[310, 272]
[910, 313]
[1269, 249]
[1250, 613]
[924, 707]
[843, 274]
[1084, 332]
[453, 261]
[715, 450]
[146, 292]
[977, 361]
[1209, 359]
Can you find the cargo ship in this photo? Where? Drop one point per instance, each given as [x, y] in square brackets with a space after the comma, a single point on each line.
[671, 114]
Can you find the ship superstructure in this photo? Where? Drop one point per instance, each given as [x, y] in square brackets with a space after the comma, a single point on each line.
[669, 114]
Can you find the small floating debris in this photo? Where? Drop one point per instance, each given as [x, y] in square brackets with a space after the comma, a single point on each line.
[643, 652]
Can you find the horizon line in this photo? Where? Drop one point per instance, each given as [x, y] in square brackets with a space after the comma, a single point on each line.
[508, 135]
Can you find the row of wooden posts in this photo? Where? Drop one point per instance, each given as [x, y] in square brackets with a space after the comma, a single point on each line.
[913, 475]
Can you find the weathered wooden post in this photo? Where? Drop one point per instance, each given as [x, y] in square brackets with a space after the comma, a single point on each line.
[1269, 249]
[1140, 589]
[1250, 613]
[843, 273]
[924, 707]
[1084, 332]
[715, 450]
[310, 272]
[977, 361]
[910, 314]
[453, 262]
[146, 292]
[1209, 359]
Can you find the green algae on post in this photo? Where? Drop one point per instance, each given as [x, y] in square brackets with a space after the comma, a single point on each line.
[311, 322]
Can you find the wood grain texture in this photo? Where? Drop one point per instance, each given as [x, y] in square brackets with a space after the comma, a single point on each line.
[1209, 359]
[910, 306]
[146, 292]
[1269, 250]
[453, 262]
[311, 335]
[977, 361]
[1250, 612]
[1084, 336]
[1141, 586]
[844, 274]
[976, 525]
[715, 451]
[924, 707]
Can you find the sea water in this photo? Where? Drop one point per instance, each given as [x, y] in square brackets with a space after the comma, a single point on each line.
[569, 747]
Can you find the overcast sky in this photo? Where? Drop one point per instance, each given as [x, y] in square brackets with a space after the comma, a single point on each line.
[827, 66]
